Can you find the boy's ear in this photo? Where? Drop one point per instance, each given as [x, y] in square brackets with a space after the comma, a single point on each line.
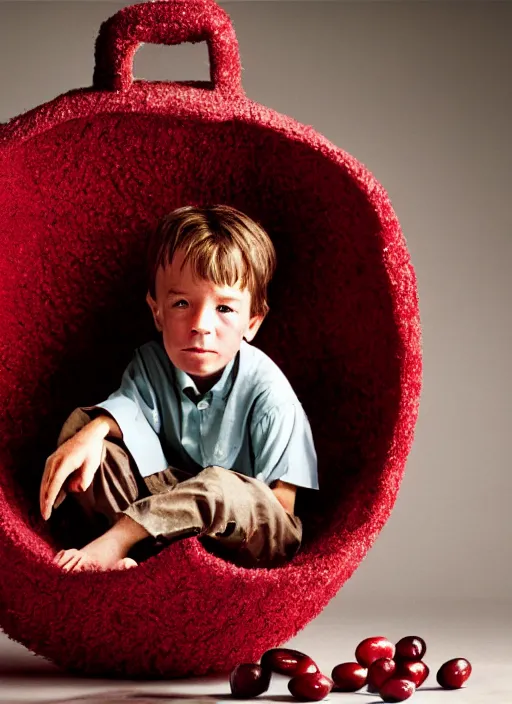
[154, 310]
[253, 327]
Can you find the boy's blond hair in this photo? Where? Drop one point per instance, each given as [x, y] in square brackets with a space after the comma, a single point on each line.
[223, 245]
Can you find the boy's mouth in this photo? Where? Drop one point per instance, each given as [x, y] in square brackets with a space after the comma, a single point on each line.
[201, 350]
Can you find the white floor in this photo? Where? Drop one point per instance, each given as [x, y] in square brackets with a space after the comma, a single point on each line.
[480, 632]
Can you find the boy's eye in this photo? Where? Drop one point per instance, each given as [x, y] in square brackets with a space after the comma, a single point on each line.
[230, 310]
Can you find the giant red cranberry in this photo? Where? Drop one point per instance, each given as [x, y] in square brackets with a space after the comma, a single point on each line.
[397, 690]
[379, 672]
[248, 680]
[410, 648]
[349, 676]
[453, 674]
[310, 687]
[416, 672]
[289, 662]
[371, 649]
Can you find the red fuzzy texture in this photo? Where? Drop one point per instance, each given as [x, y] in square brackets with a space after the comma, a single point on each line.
[83, 180]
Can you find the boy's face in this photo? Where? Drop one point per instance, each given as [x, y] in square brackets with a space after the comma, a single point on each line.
[192, 313]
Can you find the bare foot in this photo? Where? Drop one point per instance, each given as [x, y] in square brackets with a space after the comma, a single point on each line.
[74, 560]
[104, 553]
[108, 552]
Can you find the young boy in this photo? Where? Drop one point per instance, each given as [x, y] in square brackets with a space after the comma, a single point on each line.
[206, 437]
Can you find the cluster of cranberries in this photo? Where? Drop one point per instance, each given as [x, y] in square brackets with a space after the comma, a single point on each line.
[392, 671]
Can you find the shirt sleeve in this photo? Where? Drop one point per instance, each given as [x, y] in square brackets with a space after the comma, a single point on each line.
[134, 407]
[283, 447]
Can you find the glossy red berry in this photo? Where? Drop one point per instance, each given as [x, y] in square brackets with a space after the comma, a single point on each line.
[349, 677]
[379, 672]
[371, 649]
[410, 648]
[289, 662]
[454, 673]
[416, 672]
[397, 690]
[248, 680]
[310, 687]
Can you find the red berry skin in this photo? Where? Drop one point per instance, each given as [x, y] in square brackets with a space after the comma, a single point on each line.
[371, 649]
[289, 662]
[416, 672]
[310, 687]
[379, 672]
[349, 677]
[397, 690]
[410, 648]
[453, 674]
[248, 680]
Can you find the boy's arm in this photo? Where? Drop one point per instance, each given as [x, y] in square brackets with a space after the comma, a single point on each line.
[285, 494]
[134, 408]
[73, 460]
[284, 452]
[107, 423]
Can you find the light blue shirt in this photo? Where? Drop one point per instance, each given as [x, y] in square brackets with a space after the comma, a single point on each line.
[250, 421]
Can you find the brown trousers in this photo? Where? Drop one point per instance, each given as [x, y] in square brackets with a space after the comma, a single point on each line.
[237, 517]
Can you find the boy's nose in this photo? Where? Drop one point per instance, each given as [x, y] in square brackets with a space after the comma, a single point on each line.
[202, 322]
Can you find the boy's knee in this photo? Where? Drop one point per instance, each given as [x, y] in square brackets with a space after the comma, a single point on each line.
[213, 471]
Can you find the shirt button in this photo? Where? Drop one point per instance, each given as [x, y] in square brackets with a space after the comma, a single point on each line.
[202, 405]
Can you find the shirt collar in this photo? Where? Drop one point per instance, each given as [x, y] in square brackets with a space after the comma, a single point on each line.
[221, 389]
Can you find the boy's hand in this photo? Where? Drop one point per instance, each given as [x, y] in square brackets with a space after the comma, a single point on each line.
[77, 459]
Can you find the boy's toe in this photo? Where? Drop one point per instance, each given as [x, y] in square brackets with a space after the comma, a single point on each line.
[72, 563]
[58, 556]
[67, 557]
